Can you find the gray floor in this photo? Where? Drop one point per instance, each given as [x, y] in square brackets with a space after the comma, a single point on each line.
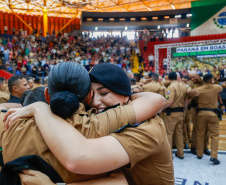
[193, 171]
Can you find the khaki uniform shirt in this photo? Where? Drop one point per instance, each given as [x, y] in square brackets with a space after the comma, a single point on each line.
[216, 75]
[5, 88]
[23, 137]
[166, 83]
[149, 152]
[208, 97]
[193, 85]
[176, 92]
[37, 85]
[223, 85]
[143, 80]
[153, 87]
[4, 97]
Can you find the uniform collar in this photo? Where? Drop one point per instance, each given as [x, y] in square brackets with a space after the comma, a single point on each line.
[174, 81]
[14, 99]
[81, 110]
[154, 82]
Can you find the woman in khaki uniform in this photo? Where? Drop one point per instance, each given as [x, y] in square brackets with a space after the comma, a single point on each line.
[113, 153]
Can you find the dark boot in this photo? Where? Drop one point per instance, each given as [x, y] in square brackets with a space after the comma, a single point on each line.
[193, 151]
[214, 160]
[179, 156]
[206, 151]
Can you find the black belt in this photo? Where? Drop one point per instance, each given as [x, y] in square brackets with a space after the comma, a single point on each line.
[176, 109]
[205, 109]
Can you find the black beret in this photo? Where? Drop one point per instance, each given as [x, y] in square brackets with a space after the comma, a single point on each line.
[112, 77]
[207, 77]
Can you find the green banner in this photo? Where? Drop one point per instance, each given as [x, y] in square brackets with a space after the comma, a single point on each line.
[198, 56]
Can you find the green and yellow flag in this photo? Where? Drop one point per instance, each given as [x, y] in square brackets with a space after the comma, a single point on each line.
[208, 17]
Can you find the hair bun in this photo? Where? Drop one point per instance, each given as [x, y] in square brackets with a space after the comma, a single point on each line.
[64, 104]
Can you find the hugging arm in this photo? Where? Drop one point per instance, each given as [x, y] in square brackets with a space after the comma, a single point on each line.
[10, 105]
[77, 153]
[31, 177]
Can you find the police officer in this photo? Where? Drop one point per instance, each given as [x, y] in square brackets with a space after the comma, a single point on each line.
[216, 75]
[175, 102]
[207, 117]
[187, 118]
[154, 86]
[4, 97]
[194, 83]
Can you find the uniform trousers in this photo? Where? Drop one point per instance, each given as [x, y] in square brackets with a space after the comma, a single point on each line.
[174, 126]
[194, 132]
[186, 127]
[211, 122]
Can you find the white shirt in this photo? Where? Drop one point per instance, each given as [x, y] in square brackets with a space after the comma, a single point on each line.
[150, 57]
[2, 48]
[22, 45]
[165, 61]
[224, 73]
[137, 51]
[53, 51]
[6, 52]
[43, 62]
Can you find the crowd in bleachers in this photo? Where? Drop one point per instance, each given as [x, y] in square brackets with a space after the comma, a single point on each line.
[35, 56]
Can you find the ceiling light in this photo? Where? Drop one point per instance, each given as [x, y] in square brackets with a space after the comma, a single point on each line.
[189, 15]
[149, 9]
[177, 16]
[155, 18]
[187, 25]
[96, 28]
[158, 27]
[166, 17]
[173, 6]
[126, 28]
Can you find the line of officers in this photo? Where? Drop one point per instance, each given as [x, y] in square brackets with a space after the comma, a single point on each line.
[193, 99]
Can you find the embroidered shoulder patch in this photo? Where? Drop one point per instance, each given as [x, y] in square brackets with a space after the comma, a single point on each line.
[168, 92]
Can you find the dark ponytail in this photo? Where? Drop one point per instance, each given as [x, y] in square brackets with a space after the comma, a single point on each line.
[68, 84]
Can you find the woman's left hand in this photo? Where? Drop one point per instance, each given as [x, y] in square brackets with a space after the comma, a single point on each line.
[31, 177]
[24, 112]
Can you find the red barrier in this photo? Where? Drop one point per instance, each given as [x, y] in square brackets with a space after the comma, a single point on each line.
[5, 74]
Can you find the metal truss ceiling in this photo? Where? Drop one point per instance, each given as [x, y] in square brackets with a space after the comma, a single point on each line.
[72, 8]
